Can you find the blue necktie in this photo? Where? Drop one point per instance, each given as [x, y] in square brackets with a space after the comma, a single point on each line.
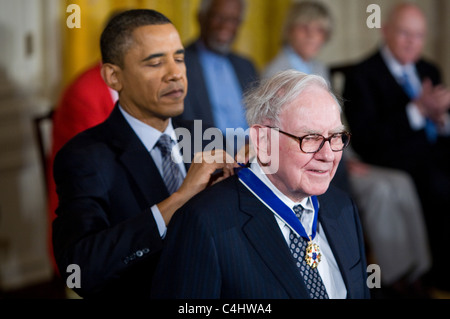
[430, 127]
[311, 276]
[172, 175]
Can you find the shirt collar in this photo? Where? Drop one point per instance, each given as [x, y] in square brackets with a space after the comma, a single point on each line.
[146, 133]
[306, 203]
[396, 68]
[205, 51]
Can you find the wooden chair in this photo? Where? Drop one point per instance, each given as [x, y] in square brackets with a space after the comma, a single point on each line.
[42, 128]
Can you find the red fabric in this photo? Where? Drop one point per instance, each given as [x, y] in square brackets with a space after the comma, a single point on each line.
[86, 102]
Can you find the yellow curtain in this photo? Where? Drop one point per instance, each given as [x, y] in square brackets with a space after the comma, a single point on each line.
[258, 38]
[260, 34]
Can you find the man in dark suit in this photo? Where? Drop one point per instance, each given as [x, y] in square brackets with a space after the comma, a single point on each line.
[115, 198]
[277, 229]
[218, 77]
[398, 112]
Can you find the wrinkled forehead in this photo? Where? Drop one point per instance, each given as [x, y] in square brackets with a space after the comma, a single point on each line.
[314, 109]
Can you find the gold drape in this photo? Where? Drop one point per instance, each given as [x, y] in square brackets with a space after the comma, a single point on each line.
[258, 38]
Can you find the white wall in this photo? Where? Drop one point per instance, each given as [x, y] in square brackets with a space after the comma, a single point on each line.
[25, 86]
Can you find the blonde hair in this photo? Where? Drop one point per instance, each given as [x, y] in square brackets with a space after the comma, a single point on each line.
[305, 12]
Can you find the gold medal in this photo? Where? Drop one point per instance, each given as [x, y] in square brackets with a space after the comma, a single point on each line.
[313, 254]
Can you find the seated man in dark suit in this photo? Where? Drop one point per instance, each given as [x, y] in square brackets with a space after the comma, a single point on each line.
[277, 229]
[398, 112]
[117, 185]
[217, 76]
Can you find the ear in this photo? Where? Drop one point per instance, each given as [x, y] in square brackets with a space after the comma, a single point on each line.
[111, 76]
[260, 141]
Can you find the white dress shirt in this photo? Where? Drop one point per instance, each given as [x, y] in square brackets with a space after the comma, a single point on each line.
[149, 136]
[328, 268]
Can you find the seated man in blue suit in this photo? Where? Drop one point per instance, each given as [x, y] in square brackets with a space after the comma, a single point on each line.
[217, 76]
[116, 183]
[277, 229]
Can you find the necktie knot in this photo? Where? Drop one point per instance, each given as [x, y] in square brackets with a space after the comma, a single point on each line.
[165, 144]
[298, 210]
[409, 88]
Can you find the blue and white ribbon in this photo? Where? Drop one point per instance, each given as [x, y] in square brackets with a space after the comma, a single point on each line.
[271, 201]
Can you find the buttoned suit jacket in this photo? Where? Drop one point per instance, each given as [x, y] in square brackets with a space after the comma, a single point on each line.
[107, 182]
[197, 104]
[224, 243]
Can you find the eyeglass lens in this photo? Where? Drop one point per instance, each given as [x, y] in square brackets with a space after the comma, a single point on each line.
[313, 143]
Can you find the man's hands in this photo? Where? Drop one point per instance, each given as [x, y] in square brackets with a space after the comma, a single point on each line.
[207, 168]
[434, 102]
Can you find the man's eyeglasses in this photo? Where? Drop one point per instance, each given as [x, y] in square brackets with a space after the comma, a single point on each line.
[312, 143]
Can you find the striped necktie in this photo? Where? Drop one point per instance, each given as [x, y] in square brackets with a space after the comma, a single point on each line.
[172, 175]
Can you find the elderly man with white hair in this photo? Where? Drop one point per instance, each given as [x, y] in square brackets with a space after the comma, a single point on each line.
[277, 229]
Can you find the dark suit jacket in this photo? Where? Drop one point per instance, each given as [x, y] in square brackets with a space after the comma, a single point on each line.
[225, 243]
[106, 182]
[375, 107]
[197, 104]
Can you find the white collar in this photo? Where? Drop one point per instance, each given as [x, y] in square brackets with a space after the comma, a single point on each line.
[146, 133]
[397, 69]
[306, 202]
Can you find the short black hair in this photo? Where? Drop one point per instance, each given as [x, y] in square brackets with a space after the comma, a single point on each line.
[116, 38]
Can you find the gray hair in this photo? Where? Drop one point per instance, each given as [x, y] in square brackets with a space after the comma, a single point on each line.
[305, 12]
[265, 101]
[205, 6]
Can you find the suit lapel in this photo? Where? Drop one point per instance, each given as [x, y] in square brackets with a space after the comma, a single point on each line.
[390, 81]
[137, 160]
[265, 236]
[140, 165]
[340, 239]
